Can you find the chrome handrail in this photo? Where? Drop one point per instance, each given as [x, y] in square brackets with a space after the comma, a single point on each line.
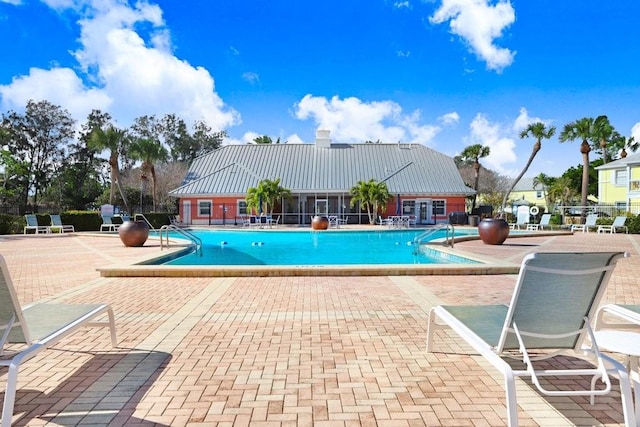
[144, 218]
[448, 238]
[195, 240]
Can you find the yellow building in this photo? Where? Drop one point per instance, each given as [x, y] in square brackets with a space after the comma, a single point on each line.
[619, 183]
[533, 194]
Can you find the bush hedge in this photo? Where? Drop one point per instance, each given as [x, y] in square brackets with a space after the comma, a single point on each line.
[81, 221]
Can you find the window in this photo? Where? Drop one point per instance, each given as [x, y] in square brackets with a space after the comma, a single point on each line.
[439, 207]
[621, 177]
[408, 207]
[539, 194]
[621, 206]
[204, 208]
[242, 207]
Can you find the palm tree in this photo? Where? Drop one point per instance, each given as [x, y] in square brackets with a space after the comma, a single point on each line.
[539, 131]
[581, 129]
[371, 195]
[274, 192]
[149, 152]
[561, 190]
[602, 132]
[256, 197]
[621, 144]
[115, 140]
[545, 181]
[473, 153]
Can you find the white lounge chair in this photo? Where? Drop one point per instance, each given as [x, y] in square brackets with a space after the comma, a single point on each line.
[56, 224]
[545, 220]
[555, 297]
[32, 224]
[108, 225]
[613, 228]
[589, 223]
[36, 327]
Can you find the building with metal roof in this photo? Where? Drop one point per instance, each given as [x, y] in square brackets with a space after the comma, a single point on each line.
[320, 176]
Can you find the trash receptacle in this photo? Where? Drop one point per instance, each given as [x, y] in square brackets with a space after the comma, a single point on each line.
[458, 218]
[473, 220]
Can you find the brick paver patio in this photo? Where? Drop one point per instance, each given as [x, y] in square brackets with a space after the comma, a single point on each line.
[277, 351]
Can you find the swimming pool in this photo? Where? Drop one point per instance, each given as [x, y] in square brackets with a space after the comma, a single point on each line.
[309, 248]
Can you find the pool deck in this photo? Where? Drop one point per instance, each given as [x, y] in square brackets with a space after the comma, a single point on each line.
[278, 351]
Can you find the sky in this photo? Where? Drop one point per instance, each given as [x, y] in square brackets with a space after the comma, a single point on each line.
[443, 73]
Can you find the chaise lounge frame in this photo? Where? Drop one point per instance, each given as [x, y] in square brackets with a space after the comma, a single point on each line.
[555, 298]
[36, 327]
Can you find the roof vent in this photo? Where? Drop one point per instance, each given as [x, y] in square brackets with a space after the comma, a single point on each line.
[323, 140]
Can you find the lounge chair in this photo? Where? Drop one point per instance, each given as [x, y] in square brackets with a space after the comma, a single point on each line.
[32, 224]
[589, 223]
[629, 313]
[522, 218]
[555, 297]
[544, 221]
[56, 223]
[35, 328]
[108, 225]
[613, 228]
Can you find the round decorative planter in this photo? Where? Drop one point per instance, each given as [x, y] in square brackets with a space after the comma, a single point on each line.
[493, 231]
[320, 223]
[133, 233]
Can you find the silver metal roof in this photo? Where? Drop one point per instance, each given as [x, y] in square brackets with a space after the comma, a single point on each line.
[308, 168]
[630, 160]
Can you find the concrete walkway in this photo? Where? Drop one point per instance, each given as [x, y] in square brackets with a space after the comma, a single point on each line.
[276, 351]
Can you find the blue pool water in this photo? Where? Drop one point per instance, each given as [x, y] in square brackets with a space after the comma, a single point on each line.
[311, 248]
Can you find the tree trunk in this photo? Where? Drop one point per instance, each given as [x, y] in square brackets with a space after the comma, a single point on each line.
[585, 149]
[476, 168]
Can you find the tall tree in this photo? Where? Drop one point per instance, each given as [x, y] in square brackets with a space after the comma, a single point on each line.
[473, 153]
[620, 145]
[204, 140]
[176, 137]
[38, 138]
[581, 129]
[539, 131]
[149, 151]
[115, 141]
[602, 132]
[263, 139]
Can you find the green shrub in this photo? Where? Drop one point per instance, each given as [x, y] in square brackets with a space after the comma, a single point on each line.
[633, 222]
[11, 224]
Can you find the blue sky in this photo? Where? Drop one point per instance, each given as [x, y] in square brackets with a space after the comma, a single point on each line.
[444, 73]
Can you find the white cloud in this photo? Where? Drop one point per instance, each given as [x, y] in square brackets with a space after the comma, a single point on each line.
[125, 72]
[493, 135]
[294, 139]
[479, 24]
[635, 132]
[351, 120]
[523, 120]
[401, 4]
[251, 77]
[449, 118]
[15, 2]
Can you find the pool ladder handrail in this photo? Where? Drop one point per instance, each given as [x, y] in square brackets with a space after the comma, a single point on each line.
[448, 241]
[195, 240]
[138, 217]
